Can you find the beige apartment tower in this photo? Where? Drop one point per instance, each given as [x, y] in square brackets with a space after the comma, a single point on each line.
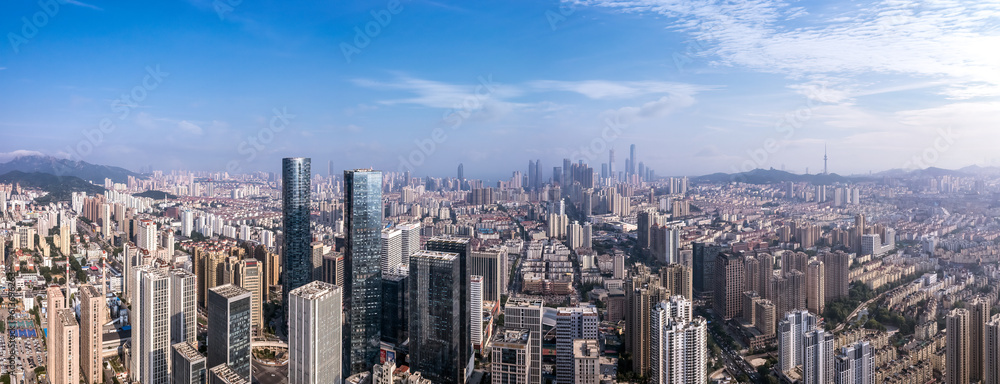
[64, 337]
[93, 312]
[957, 347]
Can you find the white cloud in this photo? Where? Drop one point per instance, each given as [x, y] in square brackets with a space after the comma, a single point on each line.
[189, 127]
[653, 109]
[932, 40]
[8, 156]
[602, 89]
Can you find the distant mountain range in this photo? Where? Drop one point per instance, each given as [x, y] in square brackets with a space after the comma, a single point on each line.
[59, 188]
[768, 176]
[63, 167]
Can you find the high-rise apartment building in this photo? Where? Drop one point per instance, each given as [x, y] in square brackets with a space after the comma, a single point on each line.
[979, 315]
[248, 276]
[147, 236]
[151, 326]
[314, 334]
[815, 286]
[333, 268]
[65, 337]
[411, 241]
[854, 364]
[435, 312]
[817, 364]
[527, 314]
[572, 323]
[991, 351]
[836, 268]
[93, 312]
[957, 345]
[362, 272]
[679, 350]
[296, 176]
[676, 279]
[55, 300]
[229, 328]
[642, 292]
[791, 349]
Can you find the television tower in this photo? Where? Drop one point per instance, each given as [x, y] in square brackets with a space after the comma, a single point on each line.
[824, 160]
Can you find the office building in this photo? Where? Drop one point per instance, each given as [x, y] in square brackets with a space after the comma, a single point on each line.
[476, 310]
[362, 272]
[187, 364]
[333, 268]
[435, 316]
[527, 314]
[314, 334]
[183, 307]
[93, 314]
[392, 249]
[490, 264]
[395, 319]
[151, 326]
[511, 361]
[703, 258]
[817, 364]
[410, 243]
[462, 248]
[679, 350]
[729, 285]
[791, 350]
[248, 276]
[764, 316]
[296, 176]
[229, 328]
[65, 367]
[958, 348]
[572, 323]
[619, 267]
[224, 374]
[854, 364]
[586, 362]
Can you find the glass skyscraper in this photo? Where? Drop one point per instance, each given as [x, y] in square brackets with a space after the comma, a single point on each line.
[295, 177]
[436, 338]
[362, 273]
[461, 248]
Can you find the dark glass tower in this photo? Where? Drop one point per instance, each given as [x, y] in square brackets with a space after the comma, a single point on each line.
[435, 317]
[362, 272]
[394, 306]
[297, 239]
[461, 248]
[229, 328]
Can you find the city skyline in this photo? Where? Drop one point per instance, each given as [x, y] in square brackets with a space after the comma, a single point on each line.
[703, 88]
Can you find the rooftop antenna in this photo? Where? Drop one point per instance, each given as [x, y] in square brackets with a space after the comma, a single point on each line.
[824, 159]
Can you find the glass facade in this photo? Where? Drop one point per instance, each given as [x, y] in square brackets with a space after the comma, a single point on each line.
[435, 310]
[297, 243]
[461, 248]
[394, 302]
[363, 275]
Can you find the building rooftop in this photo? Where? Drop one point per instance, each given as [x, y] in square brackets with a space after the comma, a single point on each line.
[585, 348]
[227, 375]
[513, 336]
[230, 291]
[446, 256]
[66, 316]
[188, 351]
[315, 290]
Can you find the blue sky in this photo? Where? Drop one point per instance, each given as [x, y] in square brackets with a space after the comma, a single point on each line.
[698, 86]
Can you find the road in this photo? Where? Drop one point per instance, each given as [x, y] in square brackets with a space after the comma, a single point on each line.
[734, 362]
[267, 374]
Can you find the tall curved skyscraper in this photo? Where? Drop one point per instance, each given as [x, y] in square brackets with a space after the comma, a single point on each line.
[297, 238]
[363, 274]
